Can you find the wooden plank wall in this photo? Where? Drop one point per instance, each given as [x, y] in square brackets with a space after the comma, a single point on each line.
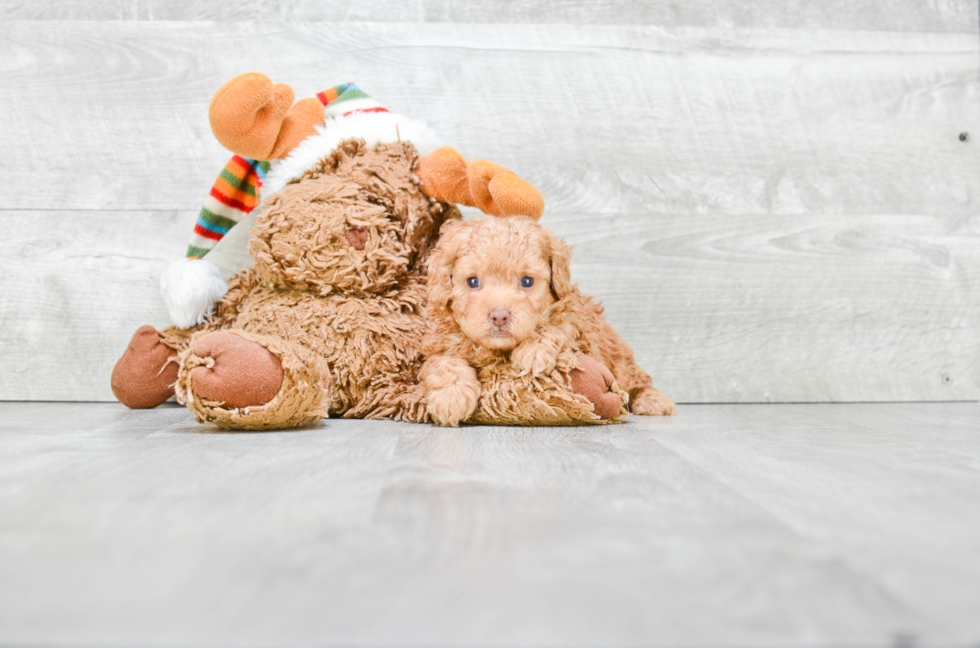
[772, 199]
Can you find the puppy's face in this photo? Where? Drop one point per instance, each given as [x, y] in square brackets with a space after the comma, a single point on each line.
[500, 276]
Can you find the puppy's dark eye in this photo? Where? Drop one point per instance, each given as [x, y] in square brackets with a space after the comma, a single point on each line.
[527, 282]
[473, 282]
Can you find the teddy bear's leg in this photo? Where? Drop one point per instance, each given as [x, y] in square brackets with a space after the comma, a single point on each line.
[594, 381]
[244, 381]
[580, 392]
[144, 376]
[242, 373]
[618, 356]
[451, 388]
[392, 397]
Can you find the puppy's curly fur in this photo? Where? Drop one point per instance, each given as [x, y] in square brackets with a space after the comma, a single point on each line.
[500, 290]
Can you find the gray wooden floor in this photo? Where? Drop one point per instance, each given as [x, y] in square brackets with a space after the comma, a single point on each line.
[727, 525]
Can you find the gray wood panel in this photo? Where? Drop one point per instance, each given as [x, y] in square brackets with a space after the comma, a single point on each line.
[789, 525]
[872, 15]
[74, 286]
[768, 214]
[716, 311]
[616, 120]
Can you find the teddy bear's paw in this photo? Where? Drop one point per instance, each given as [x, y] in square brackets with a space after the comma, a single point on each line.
[145, 374]
[536, 358]
[237, 372]
[239, 380]
[650, 402]
[594, 381]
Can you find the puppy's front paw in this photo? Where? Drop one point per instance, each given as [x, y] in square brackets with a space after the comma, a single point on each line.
[452, 405]
[535, 358]
[451, 388]
[650, 402]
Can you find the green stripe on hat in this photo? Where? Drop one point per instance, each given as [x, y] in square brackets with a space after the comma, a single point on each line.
[196, 252]
[236, 182]
[217, 220]
[351, 94]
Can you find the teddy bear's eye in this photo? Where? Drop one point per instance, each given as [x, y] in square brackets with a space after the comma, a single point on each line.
[473, 282]
[527, 282]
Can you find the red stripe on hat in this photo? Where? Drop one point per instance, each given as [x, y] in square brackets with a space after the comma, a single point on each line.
[327, 96]
[365, 110]
[230, 202]
[206, 233]
[240, 161]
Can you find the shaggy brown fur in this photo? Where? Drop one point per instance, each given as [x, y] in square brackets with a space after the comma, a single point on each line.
[502, 315]
[336, 295]
[329, 320]
[304, 394]
[356, 306]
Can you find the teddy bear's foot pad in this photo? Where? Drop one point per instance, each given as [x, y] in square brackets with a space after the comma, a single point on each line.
[594, 381]
[245, 381]
[242, 373]
[144, 376]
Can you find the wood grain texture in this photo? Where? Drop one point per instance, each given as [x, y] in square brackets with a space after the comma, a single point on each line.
[790, 525]
[74, 288]
[792, 308]
[721, 312]
[872, 15]
[768, 214]
[603, 119]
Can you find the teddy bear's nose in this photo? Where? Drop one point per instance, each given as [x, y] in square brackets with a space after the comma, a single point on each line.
[500, 317]
[357, 236]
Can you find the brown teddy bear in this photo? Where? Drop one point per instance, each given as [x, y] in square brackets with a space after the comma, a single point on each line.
[328, 320]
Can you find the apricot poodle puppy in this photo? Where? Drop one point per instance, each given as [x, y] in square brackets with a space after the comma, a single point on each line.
[500, 289]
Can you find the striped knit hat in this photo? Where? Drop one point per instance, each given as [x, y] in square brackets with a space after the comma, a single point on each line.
[191, 287]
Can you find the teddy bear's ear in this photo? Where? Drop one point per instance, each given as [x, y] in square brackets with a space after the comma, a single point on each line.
[559, 258]
[256, 119]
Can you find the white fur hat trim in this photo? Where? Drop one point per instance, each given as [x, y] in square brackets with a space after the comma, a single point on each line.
[373, 128]
[191, 288]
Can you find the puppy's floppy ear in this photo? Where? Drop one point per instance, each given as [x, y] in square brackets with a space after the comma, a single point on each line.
[559, 258]
[452, 238]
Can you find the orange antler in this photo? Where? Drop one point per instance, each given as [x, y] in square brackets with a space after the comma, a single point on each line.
[256, 119]
[447, 176]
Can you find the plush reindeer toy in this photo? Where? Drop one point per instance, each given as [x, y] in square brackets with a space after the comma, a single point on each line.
[329, 318]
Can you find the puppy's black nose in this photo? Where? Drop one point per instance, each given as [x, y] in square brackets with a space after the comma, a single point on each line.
[500, 317]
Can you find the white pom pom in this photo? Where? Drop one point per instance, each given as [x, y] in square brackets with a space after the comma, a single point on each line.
[191, 288]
